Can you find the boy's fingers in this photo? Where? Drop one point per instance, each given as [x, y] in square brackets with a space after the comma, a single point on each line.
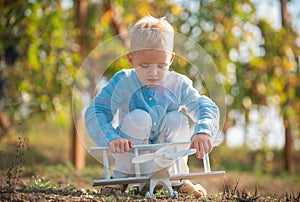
[131, 144]
[201, 150]
[121, 147]
[113, 148]
[210, 146]
[203, 144]
[126, 147]
[207, 147]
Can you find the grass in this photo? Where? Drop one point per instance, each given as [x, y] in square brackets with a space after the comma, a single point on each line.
[49, 189]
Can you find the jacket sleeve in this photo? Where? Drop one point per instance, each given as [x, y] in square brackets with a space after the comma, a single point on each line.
[100, 113]
[202, 110]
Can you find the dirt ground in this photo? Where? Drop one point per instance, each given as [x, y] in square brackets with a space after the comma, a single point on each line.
[268, 189]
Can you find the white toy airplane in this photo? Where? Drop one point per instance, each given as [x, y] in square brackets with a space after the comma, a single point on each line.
[163, 159]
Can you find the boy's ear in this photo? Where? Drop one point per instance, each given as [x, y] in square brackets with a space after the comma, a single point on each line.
[172, 58]
[129, 58]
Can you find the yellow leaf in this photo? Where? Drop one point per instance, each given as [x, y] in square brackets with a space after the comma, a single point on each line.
[181, 62]
[33, 56]
[144, 8]
[283, 97]
[106, 18]
[261, 88]
[176, 10]
[288, 65]
[277, 85]
[293, 79]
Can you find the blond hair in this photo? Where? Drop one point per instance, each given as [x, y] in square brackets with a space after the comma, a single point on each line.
[152, 33]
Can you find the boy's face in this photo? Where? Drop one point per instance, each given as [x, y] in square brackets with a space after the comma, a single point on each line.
[151, 66]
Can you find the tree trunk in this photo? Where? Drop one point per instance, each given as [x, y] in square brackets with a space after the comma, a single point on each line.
[5, 124]
[116, 21]
[285, 16]
[81, 16]
[78, 152]
[289, 143]
[288, 149]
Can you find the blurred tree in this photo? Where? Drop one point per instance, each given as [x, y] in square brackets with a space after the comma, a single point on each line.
[224, 30]
[37, 61]
[258, 64]
[290, 65]
[276, 75]
[40, 52]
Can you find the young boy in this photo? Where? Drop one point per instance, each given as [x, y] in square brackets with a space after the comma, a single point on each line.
[147, 100]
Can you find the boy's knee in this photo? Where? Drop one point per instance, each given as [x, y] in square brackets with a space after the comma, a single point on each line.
[175, 128]
[176, 119]
[136, 125]
[139, 118]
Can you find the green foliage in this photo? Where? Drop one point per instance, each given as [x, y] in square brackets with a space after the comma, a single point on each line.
[65, 170]
[41, 183]
[41, 75]
[70, 187]
[258, 64]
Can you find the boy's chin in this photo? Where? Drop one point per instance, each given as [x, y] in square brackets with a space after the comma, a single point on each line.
[151, 85]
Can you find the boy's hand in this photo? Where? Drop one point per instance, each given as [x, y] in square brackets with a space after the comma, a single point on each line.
[120, 145]
[202, 143]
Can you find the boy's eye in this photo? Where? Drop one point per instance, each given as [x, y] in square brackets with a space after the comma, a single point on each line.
[144, 66]
[161, 66]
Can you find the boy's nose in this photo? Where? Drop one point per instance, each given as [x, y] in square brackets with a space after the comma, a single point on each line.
[153, 70]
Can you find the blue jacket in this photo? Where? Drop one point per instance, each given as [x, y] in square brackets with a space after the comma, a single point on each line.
[125, 92]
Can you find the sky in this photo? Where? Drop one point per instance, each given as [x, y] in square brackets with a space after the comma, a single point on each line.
[270, 10]
[265, 128]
